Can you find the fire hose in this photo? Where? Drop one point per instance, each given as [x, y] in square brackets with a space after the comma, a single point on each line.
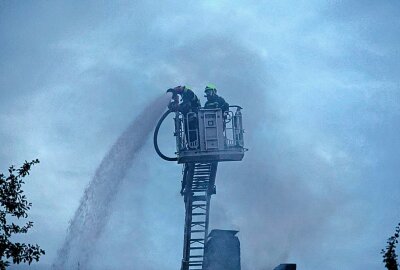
[155, 138]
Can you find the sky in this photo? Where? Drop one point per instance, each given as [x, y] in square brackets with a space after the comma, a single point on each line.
[319, 84]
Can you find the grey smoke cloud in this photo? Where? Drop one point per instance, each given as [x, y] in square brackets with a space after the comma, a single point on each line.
[319, 85]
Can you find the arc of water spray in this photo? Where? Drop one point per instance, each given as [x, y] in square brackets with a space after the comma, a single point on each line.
[94, 210]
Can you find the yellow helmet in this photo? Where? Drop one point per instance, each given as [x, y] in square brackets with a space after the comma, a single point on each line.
[210, 87]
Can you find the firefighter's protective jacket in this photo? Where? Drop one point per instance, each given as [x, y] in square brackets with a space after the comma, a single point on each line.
[190, 102]
[216, 101]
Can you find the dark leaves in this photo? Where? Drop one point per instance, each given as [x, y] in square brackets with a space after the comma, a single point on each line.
[14, 204]
[389, 255]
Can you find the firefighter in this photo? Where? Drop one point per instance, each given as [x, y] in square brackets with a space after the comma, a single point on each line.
[189, 101]
[189, 104]
[213, 100]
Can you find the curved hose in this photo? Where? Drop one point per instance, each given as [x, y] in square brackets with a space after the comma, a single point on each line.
[155, 137]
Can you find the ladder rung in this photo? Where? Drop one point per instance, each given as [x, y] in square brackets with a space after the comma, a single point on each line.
[198, 222]
[199, 198]
[202, 165]
[196, 256]
[200, 213]
[196, 239]
[198, 231]
[197, 248]
[198, 205]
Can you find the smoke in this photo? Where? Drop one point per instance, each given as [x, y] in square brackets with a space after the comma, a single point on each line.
[95, 207]
[281, 196]
[314, 120]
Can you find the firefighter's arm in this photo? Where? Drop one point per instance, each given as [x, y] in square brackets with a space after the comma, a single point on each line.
[173, 104]
[224, 105]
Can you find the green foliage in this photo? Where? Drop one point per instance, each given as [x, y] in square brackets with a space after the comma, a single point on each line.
[15, 205]
[389, 255]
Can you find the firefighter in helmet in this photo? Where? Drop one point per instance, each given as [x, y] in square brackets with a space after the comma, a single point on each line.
[189, 101]
[213, 100]
[189, 107]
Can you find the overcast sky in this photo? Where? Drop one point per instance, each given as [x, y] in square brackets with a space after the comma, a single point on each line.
[319, 83]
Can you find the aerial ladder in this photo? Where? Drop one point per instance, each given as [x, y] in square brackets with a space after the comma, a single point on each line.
[203, 139]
